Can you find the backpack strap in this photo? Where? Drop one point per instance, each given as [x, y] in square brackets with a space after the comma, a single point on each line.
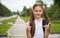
[43, 25]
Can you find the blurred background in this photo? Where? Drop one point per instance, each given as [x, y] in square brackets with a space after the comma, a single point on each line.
[12, 10]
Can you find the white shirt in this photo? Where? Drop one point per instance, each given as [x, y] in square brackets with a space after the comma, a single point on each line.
[38, 29]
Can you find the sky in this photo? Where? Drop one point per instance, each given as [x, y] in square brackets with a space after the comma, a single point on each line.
[15, 5]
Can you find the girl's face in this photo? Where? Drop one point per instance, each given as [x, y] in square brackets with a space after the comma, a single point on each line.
[37, 12]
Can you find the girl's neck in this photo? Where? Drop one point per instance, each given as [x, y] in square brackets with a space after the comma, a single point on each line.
[38, 19]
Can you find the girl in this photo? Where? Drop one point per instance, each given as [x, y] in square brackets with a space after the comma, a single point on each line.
[37, 27]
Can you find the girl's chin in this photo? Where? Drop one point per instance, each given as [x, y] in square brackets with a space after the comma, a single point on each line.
[37, 16]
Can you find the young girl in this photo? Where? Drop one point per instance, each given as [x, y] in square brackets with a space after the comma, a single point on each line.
[38, 27]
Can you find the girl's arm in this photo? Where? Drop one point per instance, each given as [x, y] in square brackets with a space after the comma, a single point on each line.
[28, 31]
[47, 30]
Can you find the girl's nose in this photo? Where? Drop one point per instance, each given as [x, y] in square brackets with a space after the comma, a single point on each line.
[38, 12]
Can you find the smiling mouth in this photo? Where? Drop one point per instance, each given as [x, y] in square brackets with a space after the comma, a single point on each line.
[38, 14]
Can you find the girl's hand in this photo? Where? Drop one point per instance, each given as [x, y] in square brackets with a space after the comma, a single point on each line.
[28, 31]
[47, 30]
[47, 26]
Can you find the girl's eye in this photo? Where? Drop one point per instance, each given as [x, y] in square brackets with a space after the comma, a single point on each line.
[36, 10]
[39, 10]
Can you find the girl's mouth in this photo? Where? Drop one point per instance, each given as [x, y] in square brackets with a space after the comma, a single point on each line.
[37, 14]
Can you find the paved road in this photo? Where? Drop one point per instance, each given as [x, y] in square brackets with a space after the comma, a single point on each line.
[18, 30]
[4, 18]
[54, 36]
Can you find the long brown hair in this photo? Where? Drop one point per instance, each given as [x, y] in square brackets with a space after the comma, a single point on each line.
[31, 23]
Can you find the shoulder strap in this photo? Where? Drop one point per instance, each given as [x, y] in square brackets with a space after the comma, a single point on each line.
[43, 24]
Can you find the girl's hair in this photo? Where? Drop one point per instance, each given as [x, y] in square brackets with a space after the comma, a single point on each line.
[32, 23]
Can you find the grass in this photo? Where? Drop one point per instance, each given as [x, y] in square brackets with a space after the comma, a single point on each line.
[55, 26]
[26, 19]
[8, 20]
[4, 28]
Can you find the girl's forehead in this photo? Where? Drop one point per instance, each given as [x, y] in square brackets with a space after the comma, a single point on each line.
[38, 7]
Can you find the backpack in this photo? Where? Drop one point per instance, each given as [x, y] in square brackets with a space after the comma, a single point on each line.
[43, 25]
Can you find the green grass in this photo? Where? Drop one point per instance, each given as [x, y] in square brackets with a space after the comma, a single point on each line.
[4, 28]
[8, 20]
[26, 19]
[55, 26]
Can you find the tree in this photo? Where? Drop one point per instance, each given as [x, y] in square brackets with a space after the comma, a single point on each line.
[54, 10]
[4, 11]
[24, 11]
[57, 2]
[18, 12]
[14, 13]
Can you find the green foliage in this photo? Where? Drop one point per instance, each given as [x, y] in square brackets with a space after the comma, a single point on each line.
[26, 19]
[54, 11]
[17, 12]
[57, 2]
[26, 11]
[4, 11]
[14, 13]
